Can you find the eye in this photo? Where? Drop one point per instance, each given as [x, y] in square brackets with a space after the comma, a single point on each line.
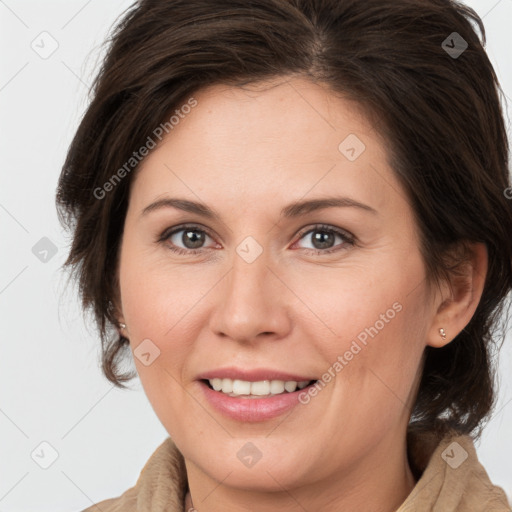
[323, 239]
[192, 237]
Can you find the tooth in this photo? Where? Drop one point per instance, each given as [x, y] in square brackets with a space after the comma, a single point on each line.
[227, 386]
[276, 387]
[290, 386]
[260, 388]
[216, 384]
[241, 387]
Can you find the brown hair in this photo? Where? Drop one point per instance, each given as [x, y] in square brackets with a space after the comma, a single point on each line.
[439, 111]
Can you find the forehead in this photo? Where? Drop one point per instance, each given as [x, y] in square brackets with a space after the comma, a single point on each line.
[286, 137]
[281, 110]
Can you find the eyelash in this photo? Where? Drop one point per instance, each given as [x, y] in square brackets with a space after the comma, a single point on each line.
[348, 239]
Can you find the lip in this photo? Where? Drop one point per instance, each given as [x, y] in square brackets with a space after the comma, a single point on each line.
[255, 375]
[251, 409]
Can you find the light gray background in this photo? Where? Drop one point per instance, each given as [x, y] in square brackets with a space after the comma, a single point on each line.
[51, 388]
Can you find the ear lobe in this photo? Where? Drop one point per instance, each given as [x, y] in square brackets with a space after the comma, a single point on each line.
[459, 298]
[118, 318]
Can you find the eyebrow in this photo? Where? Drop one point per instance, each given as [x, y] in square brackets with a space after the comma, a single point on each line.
[295, 209]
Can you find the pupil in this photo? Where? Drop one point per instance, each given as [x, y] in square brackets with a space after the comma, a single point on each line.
[320, 237]
[195, 239]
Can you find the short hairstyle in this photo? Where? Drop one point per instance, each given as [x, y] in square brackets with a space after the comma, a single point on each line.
[404, 62]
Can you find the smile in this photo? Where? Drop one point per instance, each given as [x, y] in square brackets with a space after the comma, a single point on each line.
[262, 388]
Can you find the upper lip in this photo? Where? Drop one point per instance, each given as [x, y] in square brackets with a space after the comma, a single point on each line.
[254, 375]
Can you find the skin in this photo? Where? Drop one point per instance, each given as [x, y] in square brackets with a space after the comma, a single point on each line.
[247, 153]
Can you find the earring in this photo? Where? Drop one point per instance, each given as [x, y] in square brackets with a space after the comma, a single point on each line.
[123, 326]
[442, 333]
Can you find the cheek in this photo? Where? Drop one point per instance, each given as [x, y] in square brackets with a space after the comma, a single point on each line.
[163, 303]
[364, 302]
[156, 310]
[157, 296]
[373, 328]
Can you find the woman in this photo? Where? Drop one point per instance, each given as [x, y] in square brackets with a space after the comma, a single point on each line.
[293, 214]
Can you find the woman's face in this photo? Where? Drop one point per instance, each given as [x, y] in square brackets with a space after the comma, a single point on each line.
[267, 286]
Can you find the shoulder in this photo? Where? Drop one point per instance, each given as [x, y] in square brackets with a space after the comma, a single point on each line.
[452, 478]
[161, 486]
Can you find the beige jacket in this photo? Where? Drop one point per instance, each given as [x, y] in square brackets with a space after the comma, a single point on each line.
[452, 480]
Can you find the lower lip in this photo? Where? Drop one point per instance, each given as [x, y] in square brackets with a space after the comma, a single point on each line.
[251, 409]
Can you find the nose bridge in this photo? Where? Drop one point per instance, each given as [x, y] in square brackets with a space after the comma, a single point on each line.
[249, 277]
[250, 301]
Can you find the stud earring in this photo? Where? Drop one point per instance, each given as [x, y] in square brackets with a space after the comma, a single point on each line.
[123, 326]
[442, 333]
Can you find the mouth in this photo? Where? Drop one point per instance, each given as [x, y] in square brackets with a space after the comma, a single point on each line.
[237, 388]
[253, 395]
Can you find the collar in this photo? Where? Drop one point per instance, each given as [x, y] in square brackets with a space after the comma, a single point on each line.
[451, 479]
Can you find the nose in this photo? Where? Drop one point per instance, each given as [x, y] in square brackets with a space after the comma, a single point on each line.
[252, 302]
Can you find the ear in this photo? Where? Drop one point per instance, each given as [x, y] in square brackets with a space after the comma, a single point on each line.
[458, 299]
